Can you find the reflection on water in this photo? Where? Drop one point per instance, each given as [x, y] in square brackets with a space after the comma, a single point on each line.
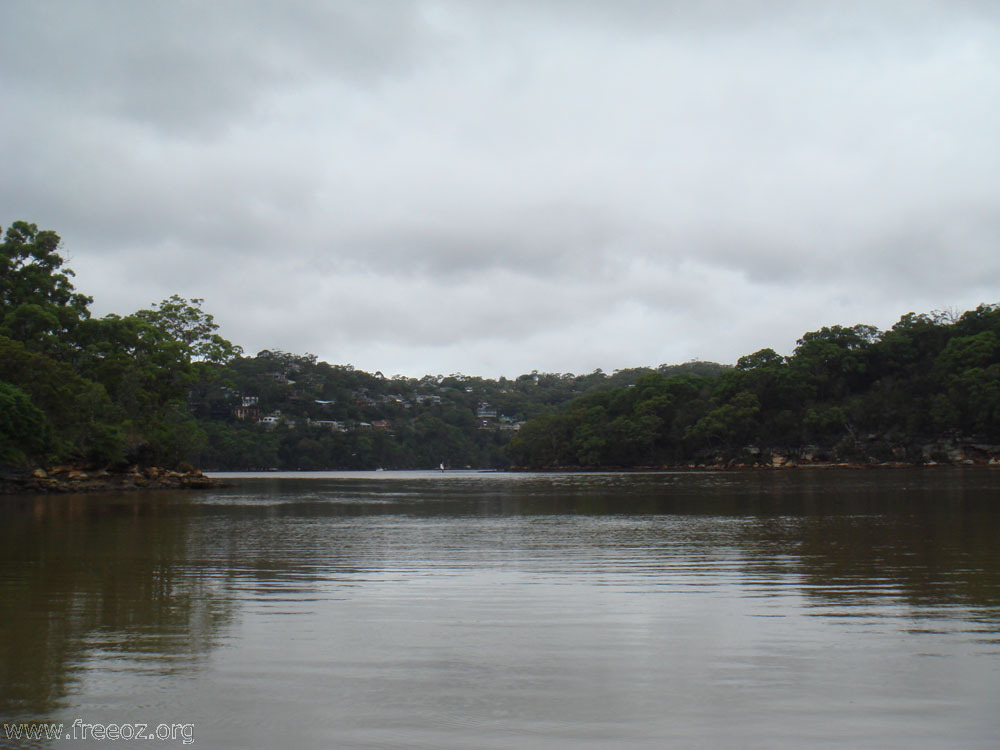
[95, 578]
[755, 609]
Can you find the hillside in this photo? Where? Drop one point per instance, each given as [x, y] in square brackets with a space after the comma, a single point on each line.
[925, 391]
[293, 412]
[161, 387]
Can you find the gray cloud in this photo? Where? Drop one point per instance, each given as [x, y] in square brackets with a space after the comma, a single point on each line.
[189, 68]
[494, 188]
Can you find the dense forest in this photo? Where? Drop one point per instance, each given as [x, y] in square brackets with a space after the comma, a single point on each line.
[161, 387]
[111, 390]
[294, 412]
[927, 390]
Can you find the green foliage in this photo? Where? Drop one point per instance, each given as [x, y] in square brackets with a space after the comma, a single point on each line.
[847, 392]
[23, 427]
[175, 438]
[728, 425]
[38, 304]
[238, 446]
[968, 352]
[82, 419]
[431, 420]
[112, 389]
[185, 323]
[544, 442]
[161, 385]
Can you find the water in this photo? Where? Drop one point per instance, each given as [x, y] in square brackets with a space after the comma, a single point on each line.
[466, 610]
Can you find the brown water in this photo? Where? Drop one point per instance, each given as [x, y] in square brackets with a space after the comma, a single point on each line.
[462, 610]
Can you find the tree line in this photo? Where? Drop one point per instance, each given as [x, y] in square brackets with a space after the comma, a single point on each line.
[908, 394]
[75, 388]
[160, 386]
[334, 416]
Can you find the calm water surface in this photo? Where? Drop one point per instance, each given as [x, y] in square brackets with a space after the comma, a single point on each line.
[466, 610]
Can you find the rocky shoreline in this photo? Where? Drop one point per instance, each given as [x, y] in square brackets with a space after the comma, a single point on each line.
[73, 479]
[944, 453]
[776, 462]
[733, 466]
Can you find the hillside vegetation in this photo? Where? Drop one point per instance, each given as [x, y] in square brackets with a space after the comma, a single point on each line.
[926, 390]
[160, 386]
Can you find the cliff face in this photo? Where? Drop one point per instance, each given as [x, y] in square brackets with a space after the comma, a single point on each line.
[72, 479]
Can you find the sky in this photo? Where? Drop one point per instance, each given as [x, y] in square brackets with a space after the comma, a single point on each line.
[493, 188]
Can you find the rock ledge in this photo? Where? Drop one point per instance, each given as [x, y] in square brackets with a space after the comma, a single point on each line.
[71, 479]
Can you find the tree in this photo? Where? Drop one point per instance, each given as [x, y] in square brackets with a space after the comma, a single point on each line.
[730, 425]
[835, 359]
[24, 430]
[84, 423]
[762, 359]
[38, 304]
[176, 438]
[185, 322]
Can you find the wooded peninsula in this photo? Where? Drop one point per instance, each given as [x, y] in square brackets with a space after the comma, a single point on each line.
[160, 387]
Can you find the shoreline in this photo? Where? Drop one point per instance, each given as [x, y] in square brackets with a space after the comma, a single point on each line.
[74, 479]
[787, 466]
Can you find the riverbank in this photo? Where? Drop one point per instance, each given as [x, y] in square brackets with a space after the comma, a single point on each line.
[72, 479]
[782, 464]
[942, 453]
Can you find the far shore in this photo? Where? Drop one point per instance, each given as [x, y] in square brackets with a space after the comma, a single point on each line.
[73, 480]
[759, 467]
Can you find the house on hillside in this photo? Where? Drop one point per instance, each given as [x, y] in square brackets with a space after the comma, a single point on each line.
[485, 411]
[275, 418]
[333, 425]
[509, 424]
[364, 400]
[279, 377]
[248, 409]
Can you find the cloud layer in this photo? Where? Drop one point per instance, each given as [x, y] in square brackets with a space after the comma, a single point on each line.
[433, 187]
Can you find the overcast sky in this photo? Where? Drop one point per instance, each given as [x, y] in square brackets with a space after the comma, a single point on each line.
[497, 187]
